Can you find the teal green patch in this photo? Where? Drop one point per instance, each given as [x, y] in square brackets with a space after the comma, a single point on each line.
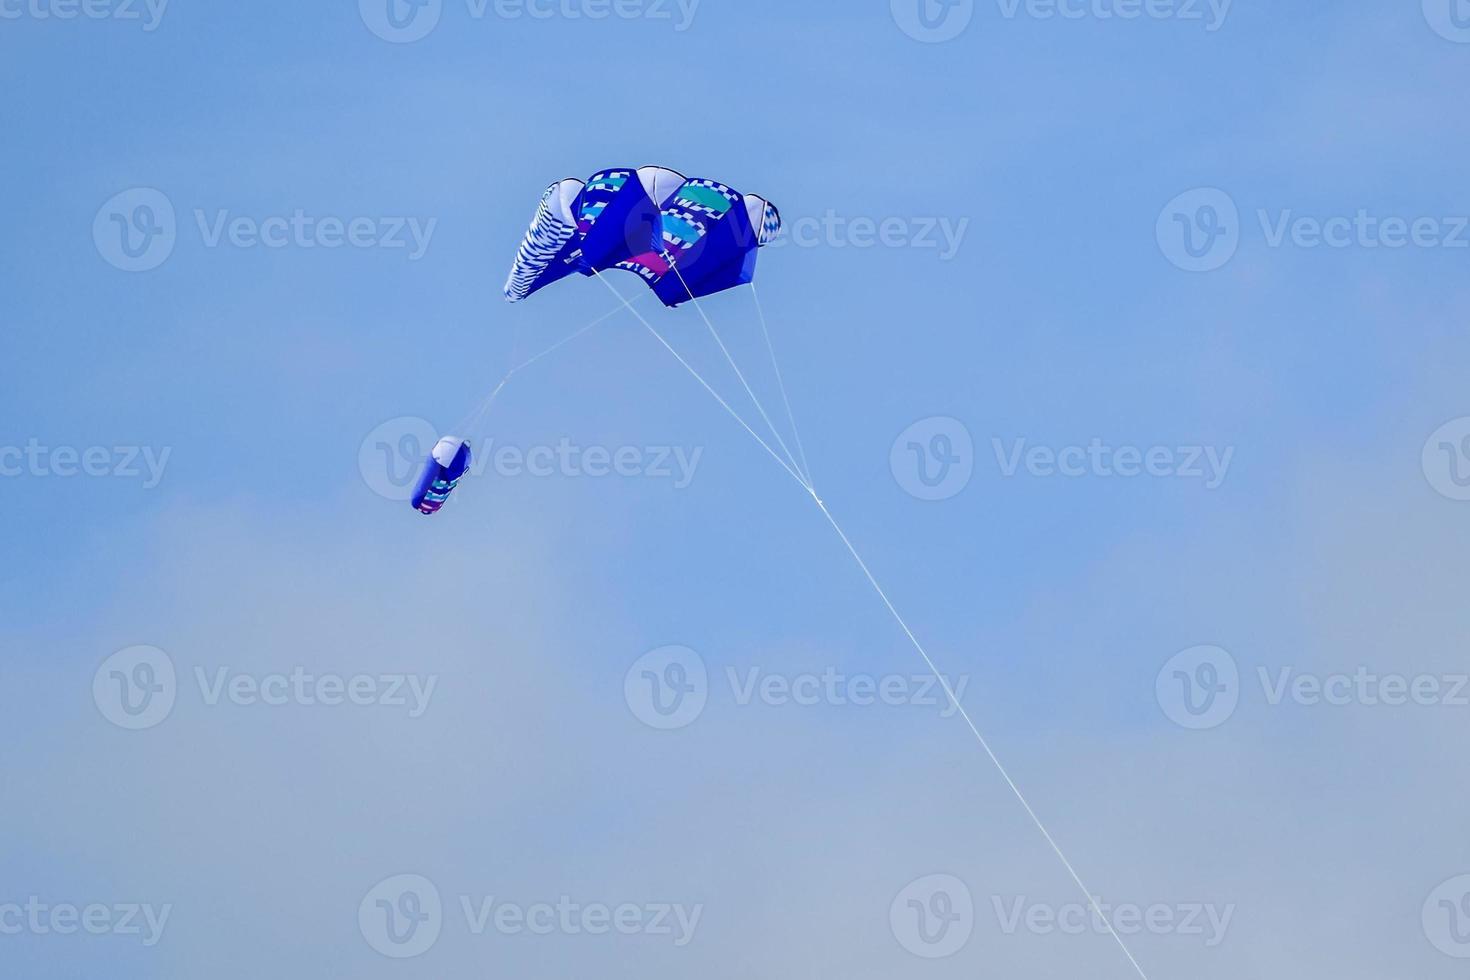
[706, 197]
[681, 229]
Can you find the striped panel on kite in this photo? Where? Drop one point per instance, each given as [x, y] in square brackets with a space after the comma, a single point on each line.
[548, 235]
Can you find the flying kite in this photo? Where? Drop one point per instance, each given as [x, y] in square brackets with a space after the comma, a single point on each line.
[685, 239]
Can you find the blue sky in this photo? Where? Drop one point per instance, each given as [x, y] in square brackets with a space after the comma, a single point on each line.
[1326, 381]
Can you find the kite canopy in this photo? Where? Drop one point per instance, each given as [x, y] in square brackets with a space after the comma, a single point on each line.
[685, 238]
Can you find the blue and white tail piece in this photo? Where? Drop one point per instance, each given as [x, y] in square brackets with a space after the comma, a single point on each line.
[443, 470]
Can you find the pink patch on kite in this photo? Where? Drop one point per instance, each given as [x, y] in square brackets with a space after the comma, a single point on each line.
[653, 262]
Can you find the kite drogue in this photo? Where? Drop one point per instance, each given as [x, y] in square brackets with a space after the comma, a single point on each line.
[444, 468]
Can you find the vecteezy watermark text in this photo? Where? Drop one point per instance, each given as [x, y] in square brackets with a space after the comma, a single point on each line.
[391, 457]
[568, 917]
[407, 21]
[1190, 919]
[1210, 13]
[403, 917]
[148, 13]
[676, 464]
[1201, 688]
[934, 459]
[840, 689]
[942, 235]
[302, 687]
[1201, 230]
[302, 230]
[935, 916]
[1097, 459]
[138, 230]
[36, 917]
[936, 21]
[669, 688]
[137, 688]
[118, 462]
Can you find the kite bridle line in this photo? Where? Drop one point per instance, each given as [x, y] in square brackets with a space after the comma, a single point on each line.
[715, 394]
[882, 594]
[806, 479]
[781, 384]
[471, 423]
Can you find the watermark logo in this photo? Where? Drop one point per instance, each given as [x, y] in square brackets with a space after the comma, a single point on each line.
[1449, 18]
[667, 688]
[671, 687]
[401, 21]
[933, 21]
[837, 689]
[1199, 688]
[678, 12]
[570, 917]
[934, 458]
[149, 13]
[302, 688]
[303, 230]
[1098, 460]
[1364, 230]
[402, 916]
[407, 21]
[136, 688]
[1446, 459]
[136, 230]
[1195, 920]
[675, 464]
[1211, 13]
[1199, 231]
[64, 462]
[36, 917]
[944, 236]
[933, 917]
[392, 455]
[1364, 688]
[1446, 918]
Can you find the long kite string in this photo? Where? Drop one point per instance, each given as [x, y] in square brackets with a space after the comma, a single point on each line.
[913, 639]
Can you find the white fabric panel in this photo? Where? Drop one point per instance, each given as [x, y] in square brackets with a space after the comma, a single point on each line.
[446, 450]
[660, 183]
[566, 193]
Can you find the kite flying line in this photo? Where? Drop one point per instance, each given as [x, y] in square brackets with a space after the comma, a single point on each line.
[653, 221]
[887, 602]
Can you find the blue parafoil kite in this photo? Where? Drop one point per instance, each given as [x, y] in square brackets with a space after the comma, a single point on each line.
[685, 238]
